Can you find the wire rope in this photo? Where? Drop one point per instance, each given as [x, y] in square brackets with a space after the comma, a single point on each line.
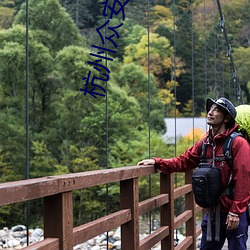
[229, 84]
[77, 13]
[222, 68]
[205, 49]
[174, 73]
[192, 73]
[175, 95]
[215, 52]
[149, 120]
[107, 133]
[27, 207]
[236, 83]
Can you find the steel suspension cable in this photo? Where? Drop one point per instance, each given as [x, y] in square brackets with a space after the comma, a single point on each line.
[149, 120]
[175, 95]
[192, 76]
[222, 68]
[107, 133]
[205, 50]
[27, 207]
[174, 74]
[215, 52]
[229, 54]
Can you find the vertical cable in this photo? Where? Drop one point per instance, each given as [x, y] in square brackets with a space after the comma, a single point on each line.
[222, 70]
[175, 95]
[27, 111]
[77, 13]
[192, 28]
[236, 89]
[149, 121]
[229, 84]
[215, 51]
[205, 51]
[223, 80]
[174, 74]
[107, 134]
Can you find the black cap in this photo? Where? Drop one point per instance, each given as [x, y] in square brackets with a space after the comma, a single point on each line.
[223, 103]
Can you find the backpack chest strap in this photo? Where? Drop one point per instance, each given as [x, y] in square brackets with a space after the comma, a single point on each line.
[217, 159]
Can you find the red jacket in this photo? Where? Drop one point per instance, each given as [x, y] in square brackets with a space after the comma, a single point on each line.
[241, 167]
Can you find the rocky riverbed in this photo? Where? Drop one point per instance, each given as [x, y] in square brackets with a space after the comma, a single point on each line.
[16, 238]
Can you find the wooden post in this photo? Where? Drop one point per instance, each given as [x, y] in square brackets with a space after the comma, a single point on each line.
[58, 219]
[167, 210]
[190, 205]
[129, 198]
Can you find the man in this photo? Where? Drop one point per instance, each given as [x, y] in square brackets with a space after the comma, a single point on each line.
[221, 115]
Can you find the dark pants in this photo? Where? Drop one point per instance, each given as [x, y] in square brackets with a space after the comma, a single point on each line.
[237, 238]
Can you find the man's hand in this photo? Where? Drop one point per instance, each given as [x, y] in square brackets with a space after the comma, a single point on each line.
[146, 162]
[232, 221]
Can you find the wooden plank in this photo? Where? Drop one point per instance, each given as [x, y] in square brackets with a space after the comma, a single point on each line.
[99, 177]
[167, 210]
[46, 244]
[198, 231]
[198, 209]
[24, 190]
[190, 205]
[90, 230]
[154, 238]
[178, 192]
[129, 195]
[182, 218]
[185, 244]
[152, 203]
[58, 219]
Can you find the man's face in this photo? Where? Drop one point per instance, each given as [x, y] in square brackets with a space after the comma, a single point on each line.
[215, 116]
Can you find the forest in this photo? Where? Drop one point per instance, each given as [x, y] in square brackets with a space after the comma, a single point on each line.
[169, 57]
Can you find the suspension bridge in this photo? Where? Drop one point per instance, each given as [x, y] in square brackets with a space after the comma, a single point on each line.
[56, 192]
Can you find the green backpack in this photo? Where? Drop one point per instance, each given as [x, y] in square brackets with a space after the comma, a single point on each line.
[243, 120]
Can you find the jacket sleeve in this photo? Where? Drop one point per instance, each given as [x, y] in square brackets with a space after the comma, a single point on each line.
[241, 175]
[183, 163]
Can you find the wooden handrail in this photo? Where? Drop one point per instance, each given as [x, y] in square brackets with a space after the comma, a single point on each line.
[56, 191]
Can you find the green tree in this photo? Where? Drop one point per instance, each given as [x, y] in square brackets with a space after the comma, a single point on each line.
[132, 78]
[53, 25]
[84, 13]
[12, 107]
[242, 64]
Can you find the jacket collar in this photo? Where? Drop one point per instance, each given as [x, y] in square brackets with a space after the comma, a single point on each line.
[221, 136]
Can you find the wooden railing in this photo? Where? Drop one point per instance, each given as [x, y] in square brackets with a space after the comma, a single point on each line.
[59, 232]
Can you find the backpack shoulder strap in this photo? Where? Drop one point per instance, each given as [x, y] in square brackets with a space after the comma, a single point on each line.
[203, 152]
[227, 148]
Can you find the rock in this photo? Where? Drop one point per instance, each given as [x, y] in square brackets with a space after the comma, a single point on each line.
[81, 246]
[18, 247]
[18, 228]
[38, 232]
[117, 234]
[103, 243]
[91, 242]
[18, 234]
[16, 238]
[13, 243]
[3, 233]
[117, 244]
[111, 239]
[95, 248]
[23, 240]
[100, 238]
[111, 233]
